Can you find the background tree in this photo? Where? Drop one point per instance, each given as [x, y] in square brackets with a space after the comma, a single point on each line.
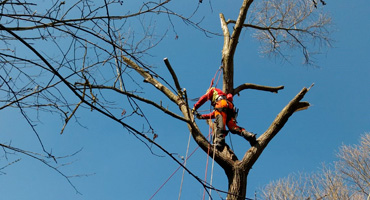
[348, 179]
[98, 62]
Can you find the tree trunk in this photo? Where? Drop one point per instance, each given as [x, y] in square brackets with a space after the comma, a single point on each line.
[237, 178]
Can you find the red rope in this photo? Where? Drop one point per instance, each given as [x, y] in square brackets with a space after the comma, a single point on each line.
[214, 77]
[173, 174]
[209, 136]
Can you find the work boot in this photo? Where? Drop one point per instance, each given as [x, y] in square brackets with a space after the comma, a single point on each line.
[250, 137]
[219, 140]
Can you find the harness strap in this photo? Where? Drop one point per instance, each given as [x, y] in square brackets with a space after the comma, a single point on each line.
[221, 97]
[230, 112]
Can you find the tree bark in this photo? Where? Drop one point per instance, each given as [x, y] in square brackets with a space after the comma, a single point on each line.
[235, 169]
[230, 44]
[237, 178]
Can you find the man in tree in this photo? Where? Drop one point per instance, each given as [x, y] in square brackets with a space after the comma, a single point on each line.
[224, 114]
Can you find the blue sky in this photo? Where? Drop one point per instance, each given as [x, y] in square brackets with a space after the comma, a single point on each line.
[121, 167]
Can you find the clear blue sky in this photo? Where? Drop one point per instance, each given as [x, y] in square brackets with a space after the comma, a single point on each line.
[124, 168]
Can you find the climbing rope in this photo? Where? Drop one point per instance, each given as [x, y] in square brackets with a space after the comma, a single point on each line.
[213, 164]
[218, 72]
[183, 171]
[206, 171]
[173, 174]
[218, 75]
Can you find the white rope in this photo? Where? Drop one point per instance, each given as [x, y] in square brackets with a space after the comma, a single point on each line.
[183, 171]
[213, 164]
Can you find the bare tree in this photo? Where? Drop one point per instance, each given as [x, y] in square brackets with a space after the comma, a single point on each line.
[327, 184]
[100, 50]
[288, 188]
[354, 164]
[346, 179]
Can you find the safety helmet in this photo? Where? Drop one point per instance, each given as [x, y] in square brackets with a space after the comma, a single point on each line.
[229, 97]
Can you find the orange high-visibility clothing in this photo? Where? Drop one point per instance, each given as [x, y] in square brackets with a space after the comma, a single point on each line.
[222, 107]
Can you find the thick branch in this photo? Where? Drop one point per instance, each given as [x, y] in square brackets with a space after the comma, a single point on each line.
[230, 44]
[227, 60]
[226, 33]
[173, 74]
[239, 25]
[294, 105]
[257, 87]
[222, 158]
[150, 79]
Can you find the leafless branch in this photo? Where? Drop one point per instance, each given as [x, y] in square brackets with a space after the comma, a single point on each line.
[36, 156]
[159, 106]
[245, 86]
[286, 25]
[295, 104]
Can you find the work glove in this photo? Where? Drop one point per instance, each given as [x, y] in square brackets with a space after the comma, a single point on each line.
[197, 115]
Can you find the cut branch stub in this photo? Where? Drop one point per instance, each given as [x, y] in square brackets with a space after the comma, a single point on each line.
[257, 87]
[173, 74]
